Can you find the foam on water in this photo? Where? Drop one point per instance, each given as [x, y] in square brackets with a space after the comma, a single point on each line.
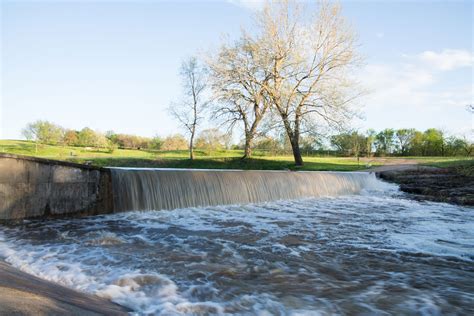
[376, 252]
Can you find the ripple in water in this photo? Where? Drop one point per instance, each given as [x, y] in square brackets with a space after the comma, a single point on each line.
[377, 253]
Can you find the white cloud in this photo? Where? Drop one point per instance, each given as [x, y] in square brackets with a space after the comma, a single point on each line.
[248, 4]
[448, 59]
[412, 93]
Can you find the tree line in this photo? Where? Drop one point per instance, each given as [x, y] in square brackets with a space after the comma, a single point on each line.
[388, 142]
[47, 133]
[401, 142]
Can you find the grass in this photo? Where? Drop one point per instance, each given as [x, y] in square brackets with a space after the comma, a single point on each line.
[225, 159]
[460, 166]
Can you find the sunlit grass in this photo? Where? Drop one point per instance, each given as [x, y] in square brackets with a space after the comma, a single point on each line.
[222, 159]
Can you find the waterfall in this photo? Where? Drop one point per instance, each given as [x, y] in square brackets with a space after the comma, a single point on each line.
[167, 189]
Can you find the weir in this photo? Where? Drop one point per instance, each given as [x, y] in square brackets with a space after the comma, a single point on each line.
[167, 189]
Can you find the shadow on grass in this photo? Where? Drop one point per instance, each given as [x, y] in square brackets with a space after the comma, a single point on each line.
[19, 147]
[219, 163]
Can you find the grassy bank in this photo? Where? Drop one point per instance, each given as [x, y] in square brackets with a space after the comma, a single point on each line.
[226, 159]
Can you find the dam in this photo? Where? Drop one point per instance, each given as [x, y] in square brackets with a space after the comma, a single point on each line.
[167, 189]
[41, 188]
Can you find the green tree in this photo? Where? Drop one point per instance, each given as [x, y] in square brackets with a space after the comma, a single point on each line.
[86, 137]
[369, 141]
[433, 142]
[384, 141]
[156, 143]
[416, 144]
[43, 132]
[404, 138]
[351, 143]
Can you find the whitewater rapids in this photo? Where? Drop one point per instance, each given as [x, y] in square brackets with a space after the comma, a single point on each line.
[376, 252]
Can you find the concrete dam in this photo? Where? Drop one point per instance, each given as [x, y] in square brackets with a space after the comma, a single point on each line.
[34, 187]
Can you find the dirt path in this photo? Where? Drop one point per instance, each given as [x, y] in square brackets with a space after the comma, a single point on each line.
[24, 294]
[394, 164]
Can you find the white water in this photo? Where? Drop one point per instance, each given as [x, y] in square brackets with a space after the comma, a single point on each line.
[166, 189]
[373, 253]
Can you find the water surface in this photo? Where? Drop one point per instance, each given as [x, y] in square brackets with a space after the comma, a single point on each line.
[373, 253]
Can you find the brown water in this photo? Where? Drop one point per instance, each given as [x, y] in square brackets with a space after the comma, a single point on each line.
[372, 253]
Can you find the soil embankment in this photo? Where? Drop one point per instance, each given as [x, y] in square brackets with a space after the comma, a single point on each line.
[451, 185]
[24, 294]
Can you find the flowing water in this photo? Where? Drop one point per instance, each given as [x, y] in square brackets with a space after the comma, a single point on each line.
[375, 252]
[167, 189]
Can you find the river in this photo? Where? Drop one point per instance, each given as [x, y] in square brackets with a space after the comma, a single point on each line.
[377, 252]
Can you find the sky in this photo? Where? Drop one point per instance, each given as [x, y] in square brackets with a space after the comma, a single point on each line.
[114, 65]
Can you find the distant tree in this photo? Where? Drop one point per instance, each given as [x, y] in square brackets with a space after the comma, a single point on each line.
[31, 132]
[456, 146]
[189, 110]
[211, 140]
[433, 142]
[156, 143]
[384, 141]
[342, 143]
[268, 144]
[174, 142]
[467, 146]
[86, 137]
[416, 145]
[369, 141]
[404, 138]
[351, 143]
[309, 143]
[43, 132]
[100, 141]
[70, 138]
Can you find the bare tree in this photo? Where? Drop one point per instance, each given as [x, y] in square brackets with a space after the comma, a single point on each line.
[239, 75]
[188, 111]
[309, 61]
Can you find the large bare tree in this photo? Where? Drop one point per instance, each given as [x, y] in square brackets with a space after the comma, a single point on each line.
[188, 111]
[239, 74]
[310, 56]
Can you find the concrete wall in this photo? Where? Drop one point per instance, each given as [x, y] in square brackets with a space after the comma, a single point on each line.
[34, 187]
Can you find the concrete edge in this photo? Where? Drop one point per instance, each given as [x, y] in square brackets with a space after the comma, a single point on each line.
[53, 162]
[50, 298]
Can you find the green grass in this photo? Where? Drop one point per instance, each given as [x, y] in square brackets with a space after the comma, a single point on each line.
[226, 159]
[460, 166]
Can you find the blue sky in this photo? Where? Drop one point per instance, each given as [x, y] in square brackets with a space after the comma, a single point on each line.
[113, 65]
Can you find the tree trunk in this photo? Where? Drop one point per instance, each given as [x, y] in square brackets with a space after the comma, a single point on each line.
[294, 137]
[248, 146]
[295, 146]
[191, 151]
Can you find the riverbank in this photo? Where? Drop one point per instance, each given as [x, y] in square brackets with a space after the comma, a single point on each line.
[454, 184]
[25, 294]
